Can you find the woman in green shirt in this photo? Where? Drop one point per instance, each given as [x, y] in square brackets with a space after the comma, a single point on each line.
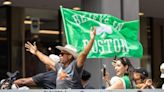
[124, 71]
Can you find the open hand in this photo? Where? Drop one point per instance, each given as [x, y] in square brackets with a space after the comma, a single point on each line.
[31, 47]
[149, 82]
[93, 33]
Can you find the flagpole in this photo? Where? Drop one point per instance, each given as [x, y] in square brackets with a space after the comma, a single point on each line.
[61, 9]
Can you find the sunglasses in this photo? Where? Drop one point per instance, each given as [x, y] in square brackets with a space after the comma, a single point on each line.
[123, 59]
[62, 53]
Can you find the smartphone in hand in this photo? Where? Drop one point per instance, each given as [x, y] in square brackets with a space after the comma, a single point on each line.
[104, 69]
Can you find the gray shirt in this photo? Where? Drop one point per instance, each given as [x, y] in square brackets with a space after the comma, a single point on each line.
[68, 77]
[46, 80]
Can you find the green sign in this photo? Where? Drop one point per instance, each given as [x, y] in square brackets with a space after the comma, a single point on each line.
[113, 36]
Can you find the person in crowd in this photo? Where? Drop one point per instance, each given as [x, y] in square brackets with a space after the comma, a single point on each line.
[141, 79]
[162, 73]
[71, 64]
[124, 75]
[85, 80]
[45, 80]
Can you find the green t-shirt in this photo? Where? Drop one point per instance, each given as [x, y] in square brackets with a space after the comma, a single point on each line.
[126, 81]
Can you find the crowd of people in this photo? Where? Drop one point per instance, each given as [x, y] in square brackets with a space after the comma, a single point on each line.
[66, 71]
[127, 77]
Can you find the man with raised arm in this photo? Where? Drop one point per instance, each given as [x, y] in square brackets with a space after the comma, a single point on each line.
[46, 80]
[71, 64]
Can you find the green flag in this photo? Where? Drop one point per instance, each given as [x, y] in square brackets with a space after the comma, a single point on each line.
[113, 36]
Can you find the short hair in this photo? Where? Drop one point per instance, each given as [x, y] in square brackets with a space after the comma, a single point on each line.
[85, 75]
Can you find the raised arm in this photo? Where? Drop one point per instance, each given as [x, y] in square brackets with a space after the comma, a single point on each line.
[82, 57]
[44, 58]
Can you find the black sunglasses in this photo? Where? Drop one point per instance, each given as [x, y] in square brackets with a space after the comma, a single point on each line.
[62, 53]
[123, 59]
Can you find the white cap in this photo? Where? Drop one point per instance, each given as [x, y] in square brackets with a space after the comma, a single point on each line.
[162, 70]
[54, 57]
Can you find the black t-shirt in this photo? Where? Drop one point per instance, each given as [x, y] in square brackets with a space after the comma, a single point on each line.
[46, 80]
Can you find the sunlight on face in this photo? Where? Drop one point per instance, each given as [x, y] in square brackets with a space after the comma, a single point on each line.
[119, 68]
[64, 57]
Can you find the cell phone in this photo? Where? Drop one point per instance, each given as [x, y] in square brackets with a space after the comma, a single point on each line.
[104, 69]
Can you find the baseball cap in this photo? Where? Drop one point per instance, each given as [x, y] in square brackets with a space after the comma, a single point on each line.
[141, 70]
[54, 57]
